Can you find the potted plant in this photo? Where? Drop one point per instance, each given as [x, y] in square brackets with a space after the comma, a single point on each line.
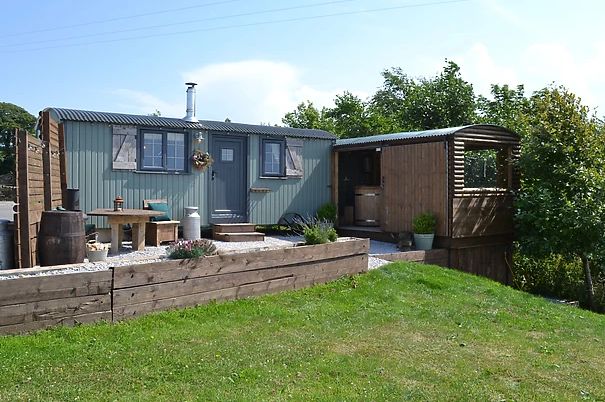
[424, 230]
[96, 252]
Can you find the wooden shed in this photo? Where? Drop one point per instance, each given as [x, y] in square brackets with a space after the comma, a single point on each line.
[464, 175]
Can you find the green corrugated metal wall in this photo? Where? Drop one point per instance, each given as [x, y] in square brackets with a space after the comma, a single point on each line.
[89, 169]
[302, 195]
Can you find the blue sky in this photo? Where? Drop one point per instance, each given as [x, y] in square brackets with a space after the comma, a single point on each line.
[253, 63]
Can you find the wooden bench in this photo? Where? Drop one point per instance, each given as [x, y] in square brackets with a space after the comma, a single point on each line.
[160, 231]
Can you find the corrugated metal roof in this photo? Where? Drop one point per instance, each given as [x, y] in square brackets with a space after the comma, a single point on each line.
[440, 132]
[155, 121]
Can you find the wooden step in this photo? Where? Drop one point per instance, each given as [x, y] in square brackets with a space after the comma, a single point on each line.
[233, 227]
[241, 236]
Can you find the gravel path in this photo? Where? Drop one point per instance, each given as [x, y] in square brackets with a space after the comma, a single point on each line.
[154, 254]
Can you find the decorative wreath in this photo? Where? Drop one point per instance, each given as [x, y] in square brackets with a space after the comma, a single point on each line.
[200, 160]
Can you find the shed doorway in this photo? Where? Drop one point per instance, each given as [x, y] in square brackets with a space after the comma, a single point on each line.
[359, 189]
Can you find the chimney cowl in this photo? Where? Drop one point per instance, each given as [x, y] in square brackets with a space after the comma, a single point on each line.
[190, 116]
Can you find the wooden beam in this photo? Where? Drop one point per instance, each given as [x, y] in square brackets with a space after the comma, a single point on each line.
[334, 183]
[23, 201]
[62, 163]
[46, 166]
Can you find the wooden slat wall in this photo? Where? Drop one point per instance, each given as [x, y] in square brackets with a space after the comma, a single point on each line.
[492, 261]
[482, 221]
[492, 136]
[482, 216]
[40, 183]
[38, 302]
[414, 181]
[140, 289]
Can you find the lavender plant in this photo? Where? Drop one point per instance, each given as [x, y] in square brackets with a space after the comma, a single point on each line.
[191, 249]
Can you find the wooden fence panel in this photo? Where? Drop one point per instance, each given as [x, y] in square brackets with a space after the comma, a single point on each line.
[41, 184]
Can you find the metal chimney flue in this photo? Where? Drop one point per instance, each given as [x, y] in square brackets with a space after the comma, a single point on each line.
[190, 116]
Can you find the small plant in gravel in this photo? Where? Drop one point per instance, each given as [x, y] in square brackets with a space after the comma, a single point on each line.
[191, 249]
[327, 212]
[319, 232]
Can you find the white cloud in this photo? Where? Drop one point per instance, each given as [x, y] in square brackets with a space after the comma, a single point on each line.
[254, 91]
[555, 62]
[140, 102]
[249, 91]
[536, 66]
[479, 68]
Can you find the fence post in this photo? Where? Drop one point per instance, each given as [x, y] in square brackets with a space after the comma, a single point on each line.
[23, 194]
[46, 168]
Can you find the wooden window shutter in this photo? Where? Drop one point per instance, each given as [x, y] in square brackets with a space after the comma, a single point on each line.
[124, 148]
[294, 157]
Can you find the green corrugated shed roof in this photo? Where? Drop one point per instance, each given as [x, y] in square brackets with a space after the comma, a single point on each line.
[156, 121]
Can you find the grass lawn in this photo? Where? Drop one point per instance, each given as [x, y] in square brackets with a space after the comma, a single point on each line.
[406, 331]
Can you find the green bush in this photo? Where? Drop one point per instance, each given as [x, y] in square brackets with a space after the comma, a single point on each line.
[327, 212]
[424, 223]
[319, 232]
[191, 249]
[557, 277]
[553, 276]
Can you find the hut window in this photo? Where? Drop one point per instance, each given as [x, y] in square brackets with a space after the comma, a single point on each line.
[486, 167]
[175, 151]
[163, 151]
[272, 157]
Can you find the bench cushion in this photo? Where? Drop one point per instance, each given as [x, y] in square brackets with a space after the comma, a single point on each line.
[160, 207]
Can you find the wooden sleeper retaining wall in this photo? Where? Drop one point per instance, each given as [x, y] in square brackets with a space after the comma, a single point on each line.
[140, 289]
[39, 302]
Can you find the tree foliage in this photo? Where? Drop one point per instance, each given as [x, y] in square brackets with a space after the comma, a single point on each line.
[426, 103]
[508, 108]
[561, 206]
[306, 115]
[11, 117]
[401, 104]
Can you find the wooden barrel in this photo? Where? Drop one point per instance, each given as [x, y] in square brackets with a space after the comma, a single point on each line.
[367, 205]
[61, 239]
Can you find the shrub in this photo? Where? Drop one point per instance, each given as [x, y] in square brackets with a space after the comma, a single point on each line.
[319, 232]
[557, 277]
[553, 276]
[424, 223]
[191, 249]
[327, 212]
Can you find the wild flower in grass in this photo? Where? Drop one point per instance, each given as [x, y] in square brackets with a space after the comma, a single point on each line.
[191, 249]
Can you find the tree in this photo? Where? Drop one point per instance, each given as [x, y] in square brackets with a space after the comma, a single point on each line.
[508, 108]
[12, 117]
[427, 103]
[561, 206]
[401, 104]
[306, 115]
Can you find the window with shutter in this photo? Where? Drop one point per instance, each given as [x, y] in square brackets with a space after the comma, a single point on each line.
[124, 148]
[294, 158]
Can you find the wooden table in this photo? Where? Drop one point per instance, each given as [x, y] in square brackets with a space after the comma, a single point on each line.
[136, 217]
